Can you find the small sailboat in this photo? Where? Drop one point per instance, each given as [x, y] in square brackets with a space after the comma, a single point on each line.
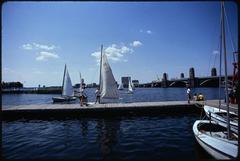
[107, 82]
[133, 87]
[67, 89]
[216, 139]
[120, 87]
[130, 89]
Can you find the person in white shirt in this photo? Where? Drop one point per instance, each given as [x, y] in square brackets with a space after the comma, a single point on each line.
[97, 93]
[189, 94]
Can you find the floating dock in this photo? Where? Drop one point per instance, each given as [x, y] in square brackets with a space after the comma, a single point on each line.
[106, 110]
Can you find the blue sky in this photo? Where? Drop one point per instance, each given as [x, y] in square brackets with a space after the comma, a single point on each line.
[142, 40]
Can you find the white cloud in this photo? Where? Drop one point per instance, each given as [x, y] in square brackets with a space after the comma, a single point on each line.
[44, 47]
[27, 46]
[114, 53]
[136, 43]
[36, 46]
[37, 72]
[43, 51]
[43, 56]
[149, 31]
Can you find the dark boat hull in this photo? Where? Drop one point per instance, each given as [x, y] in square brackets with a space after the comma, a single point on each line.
[63, 99]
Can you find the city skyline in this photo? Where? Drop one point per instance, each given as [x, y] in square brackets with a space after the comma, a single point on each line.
[142, 40]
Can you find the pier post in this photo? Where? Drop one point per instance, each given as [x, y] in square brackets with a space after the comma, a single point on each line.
[192, 80]
[164, 83]
[214, 72]
[182, 75]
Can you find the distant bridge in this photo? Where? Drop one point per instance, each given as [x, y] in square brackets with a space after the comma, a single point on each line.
[210, 81]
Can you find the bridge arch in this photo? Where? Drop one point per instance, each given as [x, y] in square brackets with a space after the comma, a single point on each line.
[178, 84]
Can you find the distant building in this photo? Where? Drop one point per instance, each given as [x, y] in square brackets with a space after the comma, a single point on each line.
[78, 85]
[135, 83]
[125, 81]
[92, 85]
[182, 75]
[214, 72]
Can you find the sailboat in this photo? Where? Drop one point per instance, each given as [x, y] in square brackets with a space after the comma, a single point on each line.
[217, 114]
[67, 89]
[133, 87]
[107, 82]
[120, 87]
[216, 139]
[130, 89]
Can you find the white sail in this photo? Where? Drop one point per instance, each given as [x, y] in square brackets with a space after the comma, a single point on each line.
[67, 86]
[130, 89]
[120, 86]
[108, 85]
[80, 85]
[133, 87]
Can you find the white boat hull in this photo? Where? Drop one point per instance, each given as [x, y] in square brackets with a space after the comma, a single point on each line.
[214, 144]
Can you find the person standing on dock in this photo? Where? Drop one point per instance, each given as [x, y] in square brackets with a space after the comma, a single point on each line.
[83, 97]
[189, 94]
[97, 93]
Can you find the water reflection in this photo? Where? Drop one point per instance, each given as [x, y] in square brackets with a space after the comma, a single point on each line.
[84, 127]
[108, 136]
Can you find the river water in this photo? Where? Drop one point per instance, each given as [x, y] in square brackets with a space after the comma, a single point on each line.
[123, 137]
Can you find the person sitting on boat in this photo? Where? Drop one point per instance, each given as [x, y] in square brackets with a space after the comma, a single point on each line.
[232, 96]
[200, 97]
[97, 93]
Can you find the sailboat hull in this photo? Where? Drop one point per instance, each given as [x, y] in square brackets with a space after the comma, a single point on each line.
[63, 99]
[215, 142]
[216, 115]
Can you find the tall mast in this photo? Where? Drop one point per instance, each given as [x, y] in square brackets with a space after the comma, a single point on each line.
[220, 63]
[64, 77]
[100, 75]
[225, 66]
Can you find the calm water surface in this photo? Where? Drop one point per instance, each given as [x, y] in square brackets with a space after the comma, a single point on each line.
[153, 137]
[140, 95]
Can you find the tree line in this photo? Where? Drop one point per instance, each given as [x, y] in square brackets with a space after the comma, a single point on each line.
[11, 85]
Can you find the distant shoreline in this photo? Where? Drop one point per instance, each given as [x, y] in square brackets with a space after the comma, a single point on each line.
[55, 90]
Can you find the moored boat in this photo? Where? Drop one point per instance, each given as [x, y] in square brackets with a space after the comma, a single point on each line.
[213, 138]
[67, 89]
[220, 117]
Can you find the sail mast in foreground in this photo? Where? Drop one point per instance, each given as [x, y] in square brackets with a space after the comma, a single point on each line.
[225, 67]
[100, 74]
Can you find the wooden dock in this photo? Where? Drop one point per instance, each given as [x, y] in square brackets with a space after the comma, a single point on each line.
[111, 109]
[95, 110]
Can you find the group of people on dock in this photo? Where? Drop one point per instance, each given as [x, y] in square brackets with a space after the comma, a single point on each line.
[196, 96]
[83, 96]
[232, 96]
